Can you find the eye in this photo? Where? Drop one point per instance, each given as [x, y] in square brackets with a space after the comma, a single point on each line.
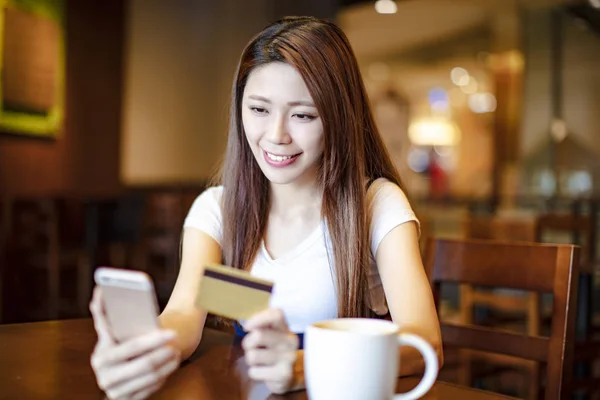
[305, 117]
[259, 110]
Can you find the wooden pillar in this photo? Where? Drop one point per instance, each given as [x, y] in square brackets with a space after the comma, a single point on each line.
[507, 70]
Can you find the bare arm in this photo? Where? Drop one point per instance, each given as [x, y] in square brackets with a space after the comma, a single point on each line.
[409, 298]
[408, 293]
[181, 314]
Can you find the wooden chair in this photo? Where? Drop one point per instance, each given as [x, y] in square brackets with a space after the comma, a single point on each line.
[580, 229]
[510, 229]
[504, 228]
[43, 247]
[33, 252]
[522, 266]
[162, 227]
[74, 259]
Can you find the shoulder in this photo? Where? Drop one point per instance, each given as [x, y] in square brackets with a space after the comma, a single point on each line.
[209, 197]
[213, 193]
[383, 192]
[205, 213]
[387, 207]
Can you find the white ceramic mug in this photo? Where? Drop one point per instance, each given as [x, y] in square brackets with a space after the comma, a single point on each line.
[357, 359]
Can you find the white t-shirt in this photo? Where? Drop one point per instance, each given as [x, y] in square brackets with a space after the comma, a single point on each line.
[304, 285]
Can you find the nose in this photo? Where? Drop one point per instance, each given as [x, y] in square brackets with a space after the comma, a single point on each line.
[278, 132]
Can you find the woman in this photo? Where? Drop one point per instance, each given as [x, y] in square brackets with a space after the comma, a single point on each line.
[310, 200]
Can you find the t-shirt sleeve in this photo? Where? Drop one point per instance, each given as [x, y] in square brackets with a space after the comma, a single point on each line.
[388, 207]
[205, 214]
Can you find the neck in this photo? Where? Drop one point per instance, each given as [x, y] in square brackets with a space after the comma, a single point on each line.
[296, 200]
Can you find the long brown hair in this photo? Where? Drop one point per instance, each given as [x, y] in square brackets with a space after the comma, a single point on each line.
[353, 153]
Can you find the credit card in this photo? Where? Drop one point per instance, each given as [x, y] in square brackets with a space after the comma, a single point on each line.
[232, 293]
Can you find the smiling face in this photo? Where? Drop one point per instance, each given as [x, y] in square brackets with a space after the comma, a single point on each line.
[282, 125]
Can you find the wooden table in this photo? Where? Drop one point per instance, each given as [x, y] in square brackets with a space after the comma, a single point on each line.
[50, 360]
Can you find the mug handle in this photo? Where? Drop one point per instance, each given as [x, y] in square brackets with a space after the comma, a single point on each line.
[431, 365]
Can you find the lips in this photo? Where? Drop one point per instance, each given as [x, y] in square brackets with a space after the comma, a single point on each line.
[278, 160]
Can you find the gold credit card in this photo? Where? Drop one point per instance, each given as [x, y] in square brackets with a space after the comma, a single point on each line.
[232, 293]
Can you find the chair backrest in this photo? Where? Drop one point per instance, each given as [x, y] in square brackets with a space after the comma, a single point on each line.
[526, 266]
[33, 245]
[512, 228]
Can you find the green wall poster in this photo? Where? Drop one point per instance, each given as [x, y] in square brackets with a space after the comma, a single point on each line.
[32, 65]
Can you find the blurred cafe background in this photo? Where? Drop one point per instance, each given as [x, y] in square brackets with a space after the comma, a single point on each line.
[113, 118]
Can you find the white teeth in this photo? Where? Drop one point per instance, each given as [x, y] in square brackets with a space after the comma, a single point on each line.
[278, 158]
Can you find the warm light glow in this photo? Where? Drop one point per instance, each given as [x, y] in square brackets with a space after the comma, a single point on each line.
[386, 7]
[459, 76]
[482, 103]
[470, 87]
[558, 130]
[510, 60]
[595, 3]
[433, 132]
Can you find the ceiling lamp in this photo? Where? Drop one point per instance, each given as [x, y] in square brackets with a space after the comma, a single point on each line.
[386, 7]
[432, 131]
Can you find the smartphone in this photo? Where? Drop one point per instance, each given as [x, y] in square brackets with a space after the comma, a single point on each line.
[129, 301]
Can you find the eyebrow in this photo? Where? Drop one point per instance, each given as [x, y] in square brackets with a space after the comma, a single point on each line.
[291, 103]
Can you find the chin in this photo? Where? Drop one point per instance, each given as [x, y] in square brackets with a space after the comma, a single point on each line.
[281, 179]
[284, 176]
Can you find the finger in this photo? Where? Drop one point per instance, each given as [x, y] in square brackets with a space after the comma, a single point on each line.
[133, 348]
[99, 317]
[278, 387]
[264, 357]
[144, 365]
[278, 373]
[145, 383]
[270, 339]
[272, 318]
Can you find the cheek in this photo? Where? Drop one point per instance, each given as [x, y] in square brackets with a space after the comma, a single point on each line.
[310, 138]
[251, 128]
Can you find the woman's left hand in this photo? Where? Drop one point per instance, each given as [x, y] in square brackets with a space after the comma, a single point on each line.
[271, 350]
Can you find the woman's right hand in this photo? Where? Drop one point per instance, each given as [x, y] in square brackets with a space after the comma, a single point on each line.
[133, 369]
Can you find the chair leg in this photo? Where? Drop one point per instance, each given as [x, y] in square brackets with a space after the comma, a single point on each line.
[535, 380]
